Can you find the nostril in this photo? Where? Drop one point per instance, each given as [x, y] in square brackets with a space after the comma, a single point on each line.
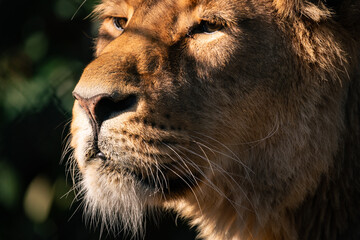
[104, 106]
[109, 107]
[75, 95]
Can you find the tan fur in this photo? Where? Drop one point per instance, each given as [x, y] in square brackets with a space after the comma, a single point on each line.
[250, 132]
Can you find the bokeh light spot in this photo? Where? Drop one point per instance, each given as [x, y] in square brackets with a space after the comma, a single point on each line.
[9, 185]
[65, 9]
[38, 199]
[36, 46]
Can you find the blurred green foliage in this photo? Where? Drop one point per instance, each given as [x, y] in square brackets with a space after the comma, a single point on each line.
[44, 46]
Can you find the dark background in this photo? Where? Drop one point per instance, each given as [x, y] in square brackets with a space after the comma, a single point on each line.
[44, 48]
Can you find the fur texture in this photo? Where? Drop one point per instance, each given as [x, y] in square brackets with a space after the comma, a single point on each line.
[243, 116]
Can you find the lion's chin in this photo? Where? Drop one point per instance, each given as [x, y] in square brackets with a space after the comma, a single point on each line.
[120, 196]
[118, 200]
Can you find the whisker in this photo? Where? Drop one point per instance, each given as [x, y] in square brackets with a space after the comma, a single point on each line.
[181, 159]
[77, 10]
[158, 170]
[233, 157]
[163, 177]
[206, 157]
[210, 184]
[191, 189]
[272, 132]
[221, 170]
[247, 169]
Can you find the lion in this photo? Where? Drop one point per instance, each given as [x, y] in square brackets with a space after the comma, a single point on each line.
[240, 115]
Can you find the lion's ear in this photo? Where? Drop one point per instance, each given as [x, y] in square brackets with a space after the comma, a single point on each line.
[314, 10]
[345, 12]
[316, 7]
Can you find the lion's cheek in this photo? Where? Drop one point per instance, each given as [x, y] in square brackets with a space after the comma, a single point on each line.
[217, 50]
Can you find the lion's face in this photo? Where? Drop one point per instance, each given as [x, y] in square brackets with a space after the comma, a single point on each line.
[184, 96]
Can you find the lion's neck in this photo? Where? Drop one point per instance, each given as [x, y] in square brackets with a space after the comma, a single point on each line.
[333, 212]
[219, 219]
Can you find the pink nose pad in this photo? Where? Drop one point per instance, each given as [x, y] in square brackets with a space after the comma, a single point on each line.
[90, 104]
[104, 106]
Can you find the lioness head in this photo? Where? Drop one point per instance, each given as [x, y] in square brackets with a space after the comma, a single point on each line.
[231, 112]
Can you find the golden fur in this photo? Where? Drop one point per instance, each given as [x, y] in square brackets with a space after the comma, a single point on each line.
[242, 115]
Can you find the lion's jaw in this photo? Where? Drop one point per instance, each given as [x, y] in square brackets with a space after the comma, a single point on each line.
[194, 121]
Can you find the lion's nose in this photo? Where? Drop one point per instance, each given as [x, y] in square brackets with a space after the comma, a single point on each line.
[105, 106]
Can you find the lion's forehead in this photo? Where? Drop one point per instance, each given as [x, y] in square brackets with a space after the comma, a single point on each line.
[170, 10]
[179, 3]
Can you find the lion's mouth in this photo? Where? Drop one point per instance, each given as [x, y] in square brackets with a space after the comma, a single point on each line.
[169, 178]
[154, 167]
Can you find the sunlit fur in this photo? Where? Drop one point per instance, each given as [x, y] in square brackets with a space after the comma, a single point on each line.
[250, 131]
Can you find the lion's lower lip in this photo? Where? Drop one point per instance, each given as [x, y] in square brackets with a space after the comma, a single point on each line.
[169, 184]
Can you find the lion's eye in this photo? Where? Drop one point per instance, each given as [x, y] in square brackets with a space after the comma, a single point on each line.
[210, 27]
[205, 27]
[119, 23]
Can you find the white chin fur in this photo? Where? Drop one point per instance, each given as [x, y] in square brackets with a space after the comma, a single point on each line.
[113, 201]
